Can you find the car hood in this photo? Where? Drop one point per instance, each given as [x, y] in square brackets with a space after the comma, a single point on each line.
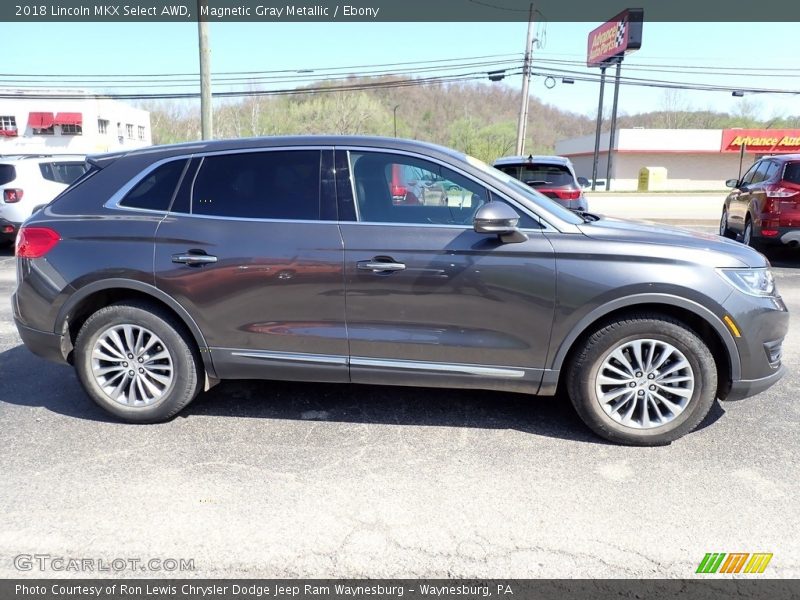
[709, 248]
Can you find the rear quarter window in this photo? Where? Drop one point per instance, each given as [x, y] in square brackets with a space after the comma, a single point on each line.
[155, 190]
[7, 174]
[791, 172]
[62, 172]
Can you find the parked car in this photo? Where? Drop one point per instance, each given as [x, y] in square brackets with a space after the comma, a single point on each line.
[764, 206]
[553, 176]
[28, 182]
[158, 273]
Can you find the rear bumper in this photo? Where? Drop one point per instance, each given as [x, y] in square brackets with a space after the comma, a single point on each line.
[46, 344]
[5, 234]
[790, 236]
[750, 387]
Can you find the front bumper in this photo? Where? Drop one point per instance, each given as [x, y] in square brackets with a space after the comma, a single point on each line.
[745, 388]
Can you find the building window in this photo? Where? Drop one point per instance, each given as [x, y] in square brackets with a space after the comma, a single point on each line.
[71, 130]
[141, 133]
[8, 126]
[44, 130]
[102, 126]
[129, 128]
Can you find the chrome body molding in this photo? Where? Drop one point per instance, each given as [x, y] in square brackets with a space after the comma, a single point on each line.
[358, 361]
[461, 369]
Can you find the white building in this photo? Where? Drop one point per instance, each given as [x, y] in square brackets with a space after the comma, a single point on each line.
[694, 159]
[49, 124]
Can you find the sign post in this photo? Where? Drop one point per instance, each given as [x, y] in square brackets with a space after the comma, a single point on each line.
[608, 45]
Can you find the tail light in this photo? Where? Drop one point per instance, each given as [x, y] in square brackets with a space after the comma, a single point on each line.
[12, 195]
[778, 191]
[398, 191]
[35, 242]
[562, 194]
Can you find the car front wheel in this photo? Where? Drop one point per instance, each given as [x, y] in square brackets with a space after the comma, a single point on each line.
[724, 231]
[137, 362]
[645, 380]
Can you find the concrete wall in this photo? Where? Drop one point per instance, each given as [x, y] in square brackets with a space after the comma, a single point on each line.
[118, 115]
[692, 157]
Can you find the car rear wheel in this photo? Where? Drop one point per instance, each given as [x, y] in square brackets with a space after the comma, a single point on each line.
[136, 362]
[645, 380]
[724, 231]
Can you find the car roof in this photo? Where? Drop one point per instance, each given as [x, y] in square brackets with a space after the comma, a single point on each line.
[39, 158]
[203, 146]
[784, 157]
[532, 158]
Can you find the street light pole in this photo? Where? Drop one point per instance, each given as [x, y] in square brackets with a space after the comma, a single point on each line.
[206, 115]
[394, 111]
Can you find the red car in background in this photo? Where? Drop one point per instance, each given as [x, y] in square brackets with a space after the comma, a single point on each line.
[764, 206]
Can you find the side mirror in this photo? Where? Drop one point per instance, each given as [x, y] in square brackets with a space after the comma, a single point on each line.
[499, 219]
[732, 183]
[583, 182]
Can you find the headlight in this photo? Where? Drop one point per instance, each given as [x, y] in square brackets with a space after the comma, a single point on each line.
[755, 282]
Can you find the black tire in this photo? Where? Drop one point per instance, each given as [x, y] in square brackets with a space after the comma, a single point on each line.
[747, 235]
[724, 230]
[583, 370]
[185, 361]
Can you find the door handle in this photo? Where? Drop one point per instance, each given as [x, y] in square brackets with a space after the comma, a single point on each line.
[193, 259]
[377, 266]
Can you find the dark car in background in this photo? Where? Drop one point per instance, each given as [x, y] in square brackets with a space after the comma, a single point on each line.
[553, 176]
[164, 270]
[764, 206]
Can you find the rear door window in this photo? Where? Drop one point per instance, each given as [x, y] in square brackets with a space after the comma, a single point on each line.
[279, 184]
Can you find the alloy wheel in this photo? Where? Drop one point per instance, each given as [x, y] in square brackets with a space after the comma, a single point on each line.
[644, 384]
[132, 365]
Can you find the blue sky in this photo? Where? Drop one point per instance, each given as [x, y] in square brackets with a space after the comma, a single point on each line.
[130, 48]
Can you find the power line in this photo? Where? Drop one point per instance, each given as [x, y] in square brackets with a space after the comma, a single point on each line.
[296, 70]
[437, 80]
[267, 79]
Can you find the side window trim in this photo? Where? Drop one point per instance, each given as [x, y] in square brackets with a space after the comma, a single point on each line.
[493, 191]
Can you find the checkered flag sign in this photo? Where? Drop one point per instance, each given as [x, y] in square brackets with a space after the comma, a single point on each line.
[620, 33]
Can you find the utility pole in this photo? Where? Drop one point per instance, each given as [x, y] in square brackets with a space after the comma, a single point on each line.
[394, 110]
[206, 124]
[613, 132]
[526, 77]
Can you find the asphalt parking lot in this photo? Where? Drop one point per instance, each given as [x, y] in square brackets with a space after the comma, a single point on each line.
[262, 479]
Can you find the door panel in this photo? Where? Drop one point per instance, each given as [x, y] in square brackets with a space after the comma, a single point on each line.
[267, 294]
[462, 297]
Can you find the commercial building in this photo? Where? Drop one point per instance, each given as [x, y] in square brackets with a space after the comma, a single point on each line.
[688, 159]
[51, 123]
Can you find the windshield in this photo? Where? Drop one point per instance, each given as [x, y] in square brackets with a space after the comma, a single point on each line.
[535, 198]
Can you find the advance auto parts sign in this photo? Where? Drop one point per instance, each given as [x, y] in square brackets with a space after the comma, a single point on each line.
[766, 141]
[620, 35]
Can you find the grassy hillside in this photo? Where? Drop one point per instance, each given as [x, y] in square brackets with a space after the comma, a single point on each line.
[480, 120]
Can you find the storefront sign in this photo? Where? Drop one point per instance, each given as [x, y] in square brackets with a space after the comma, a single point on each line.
[763, 141]
[617, 37]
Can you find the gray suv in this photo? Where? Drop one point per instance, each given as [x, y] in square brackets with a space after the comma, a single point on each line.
[163, 270]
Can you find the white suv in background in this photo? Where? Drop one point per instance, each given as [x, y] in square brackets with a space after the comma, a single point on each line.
[28, 182]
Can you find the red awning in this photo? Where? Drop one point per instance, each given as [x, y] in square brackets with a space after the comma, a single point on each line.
[66, 118]
[40, 120]
[8, 132]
